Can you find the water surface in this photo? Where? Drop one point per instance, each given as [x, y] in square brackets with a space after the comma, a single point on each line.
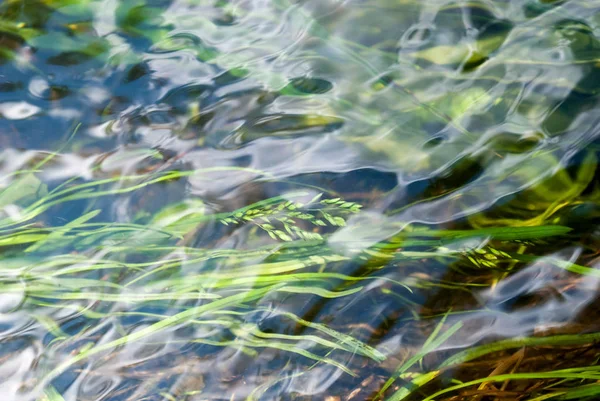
[298, 200]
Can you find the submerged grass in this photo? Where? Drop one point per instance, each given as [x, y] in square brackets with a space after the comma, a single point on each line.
[130, 265]
[455, 361]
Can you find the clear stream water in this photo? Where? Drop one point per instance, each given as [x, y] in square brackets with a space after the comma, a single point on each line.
[429, 115]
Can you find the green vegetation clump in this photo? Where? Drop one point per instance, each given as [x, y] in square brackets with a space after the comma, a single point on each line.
[111, 270]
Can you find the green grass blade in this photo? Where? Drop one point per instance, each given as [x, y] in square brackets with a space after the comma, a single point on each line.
[558, 374]
[431, 345]
[561, 340]
[179, 318]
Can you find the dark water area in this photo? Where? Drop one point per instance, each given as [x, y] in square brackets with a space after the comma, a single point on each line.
[304, 200]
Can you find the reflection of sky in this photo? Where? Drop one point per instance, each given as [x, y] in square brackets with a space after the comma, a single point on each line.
[279, 39]
[539, 297]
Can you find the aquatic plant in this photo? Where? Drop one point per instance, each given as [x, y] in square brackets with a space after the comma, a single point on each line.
[123, 270]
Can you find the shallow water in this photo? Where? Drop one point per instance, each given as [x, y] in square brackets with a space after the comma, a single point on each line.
[298, 200]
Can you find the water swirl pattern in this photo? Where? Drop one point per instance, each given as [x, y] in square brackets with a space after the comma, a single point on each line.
[339, 200]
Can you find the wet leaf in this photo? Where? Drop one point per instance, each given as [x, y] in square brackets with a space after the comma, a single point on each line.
[306, 86]
[26, 187]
